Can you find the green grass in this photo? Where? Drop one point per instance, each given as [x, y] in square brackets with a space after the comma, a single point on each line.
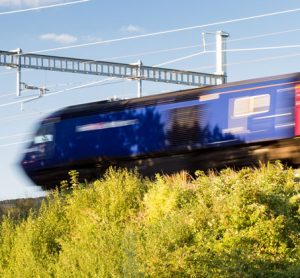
[230, 224]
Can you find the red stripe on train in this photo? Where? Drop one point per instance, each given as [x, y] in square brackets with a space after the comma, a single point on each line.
[297, 110]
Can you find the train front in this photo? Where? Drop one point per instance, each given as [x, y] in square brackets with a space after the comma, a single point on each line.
[37, 161]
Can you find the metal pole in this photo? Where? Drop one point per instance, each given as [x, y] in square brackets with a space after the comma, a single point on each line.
[139, 94]
[18, 88]
[221, 54]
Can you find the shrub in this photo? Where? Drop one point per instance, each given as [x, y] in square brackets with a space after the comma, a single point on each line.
[227, 224]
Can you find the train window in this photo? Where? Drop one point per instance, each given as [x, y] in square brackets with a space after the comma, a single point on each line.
[246, 106]
[241, 107]
[44, 134]
[43, 138]
[261, 104]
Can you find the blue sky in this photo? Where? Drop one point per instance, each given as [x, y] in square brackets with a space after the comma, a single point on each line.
[85, 22]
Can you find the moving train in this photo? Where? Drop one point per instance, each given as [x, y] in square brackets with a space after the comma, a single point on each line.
[234, 124]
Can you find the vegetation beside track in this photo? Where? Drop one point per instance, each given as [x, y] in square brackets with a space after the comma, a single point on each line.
[242, 223]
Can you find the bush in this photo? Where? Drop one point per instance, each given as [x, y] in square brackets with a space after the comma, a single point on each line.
[228, 224]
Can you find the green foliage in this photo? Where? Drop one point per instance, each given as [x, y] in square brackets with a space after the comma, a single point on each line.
[230, 224]
[98, 217]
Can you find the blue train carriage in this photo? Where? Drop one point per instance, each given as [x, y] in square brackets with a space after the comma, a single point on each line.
[227, 125]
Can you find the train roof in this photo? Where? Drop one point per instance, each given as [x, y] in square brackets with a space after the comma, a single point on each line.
[112, 105]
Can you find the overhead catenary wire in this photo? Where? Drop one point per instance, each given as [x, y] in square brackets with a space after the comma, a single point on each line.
[7, 95]
[158, 60]
[212, 51]
[263, 48]
[264, 35]
[210, 66]
[183, 48]
[24, 115]
[170, 31]
[202, 52]
[199, 53]
[15, 143]
[230, 50]
[198, 26]
[33, 114]
[15, 135]
[182, 58]
[64, 90]
[47, 111]
[13, 72]
[90, 84]
[80, 86]
[199, 45]
[249, 61]
[164, 63]
[10, 94]
[44, 7]
[205, 67]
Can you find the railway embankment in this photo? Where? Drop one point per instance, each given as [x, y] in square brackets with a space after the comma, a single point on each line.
[19, 208]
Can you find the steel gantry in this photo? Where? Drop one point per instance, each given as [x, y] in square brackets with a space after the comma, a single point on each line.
[17, 59]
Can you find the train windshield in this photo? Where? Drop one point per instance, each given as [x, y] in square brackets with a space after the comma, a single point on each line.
[45, 134]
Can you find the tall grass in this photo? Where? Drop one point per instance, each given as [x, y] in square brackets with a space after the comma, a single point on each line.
[230, 224]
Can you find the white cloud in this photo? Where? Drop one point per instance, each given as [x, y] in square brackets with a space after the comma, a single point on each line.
[28, 3]
[132, 29]
[60, 38]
